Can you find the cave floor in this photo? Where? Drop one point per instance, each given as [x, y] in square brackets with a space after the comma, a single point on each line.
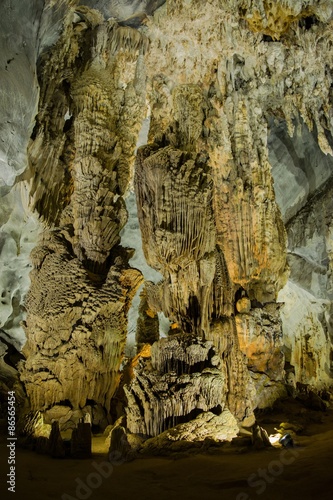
[303, 472]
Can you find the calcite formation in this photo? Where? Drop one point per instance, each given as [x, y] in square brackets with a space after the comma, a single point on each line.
[233, 188]
[174, 208]
[261, 339]
[206, 427]
[81, 154]
[276, 18]
[308, 306]
[147, 328]
[182, 377]
[307, 214]
[18, 235]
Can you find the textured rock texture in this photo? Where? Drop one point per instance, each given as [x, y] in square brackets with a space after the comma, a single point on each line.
[27, 29]
[307, 313]
[18, 236]
[80, 155]
[147, 329]
[182, 377]
[233, 188]
[307, 211]
[75, 357]
[174, 209]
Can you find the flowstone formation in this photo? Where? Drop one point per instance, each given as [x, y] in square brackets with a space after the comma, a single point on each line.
[206, 203]
[80, 157]
[233, 191]
[182, 377]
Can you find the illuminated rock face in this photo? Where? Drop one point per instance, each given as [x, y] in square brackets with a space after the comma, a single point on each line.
[276, 18]
[182, 377]
[238, 95]
[76, 327]
[307, 297]
[21, 45]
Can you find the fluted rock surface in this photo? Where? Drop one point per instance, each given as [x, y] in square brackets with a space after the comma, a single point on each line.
[222, 85]
[182, 377]
[86, 131]
[175, 213]
[76, 328]
[261, 339]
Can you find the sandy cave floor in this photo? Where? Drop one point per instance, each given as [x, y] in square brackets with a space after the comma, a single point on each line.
[305, 472]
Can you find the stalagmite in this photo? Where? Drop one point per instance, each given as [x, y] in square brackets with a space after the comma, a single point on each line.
[184, 378]
[86, 131]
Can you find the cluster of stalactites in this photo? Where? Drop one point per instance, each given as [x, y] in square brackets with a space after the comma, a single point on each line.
[181, 353]
[174, 193]
[274, 18]
[76, 328]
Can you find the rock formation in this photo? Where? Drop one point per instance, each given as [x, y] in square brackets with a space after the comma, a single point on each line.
[233, 188]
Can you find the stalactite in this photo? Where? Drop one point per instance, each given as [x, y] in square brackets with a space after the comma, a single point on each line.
[129, 39]
[176, 222]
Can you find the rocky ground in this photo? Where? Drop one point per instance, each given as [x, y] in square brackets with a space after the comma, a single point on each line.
[233, 471]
